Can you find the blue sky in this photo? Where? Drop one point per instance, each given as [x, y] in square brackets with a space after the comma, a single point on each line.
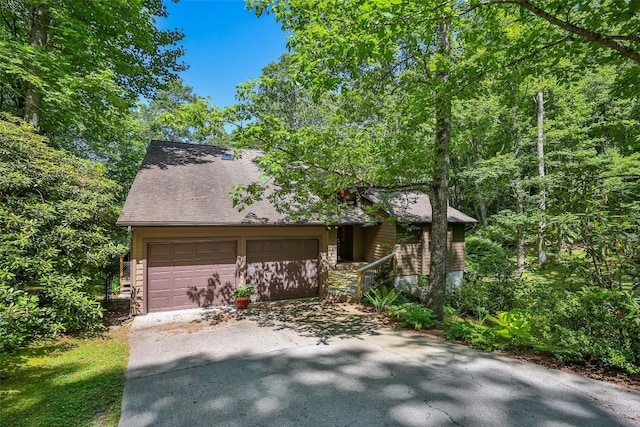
[225, 45]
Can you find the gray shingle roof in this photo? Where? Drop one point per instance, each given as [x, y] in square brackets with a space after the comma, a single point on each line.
[185, 184]
[413, 206]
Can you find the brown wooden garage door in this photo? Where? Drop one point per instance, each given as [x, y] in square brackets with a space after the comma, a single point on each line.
[283, 268]
[184, 274]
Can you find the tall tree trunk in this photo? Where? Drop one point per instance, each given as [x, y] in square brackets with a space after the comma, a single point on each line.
[542, 252]
[520, 258]
[483, 214]
[480, 205]
[38, 37]
[440, 188]
[518, 184]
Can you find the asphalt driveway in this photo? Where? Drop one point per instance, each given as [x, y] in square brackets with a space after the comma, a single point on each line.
[314, 364]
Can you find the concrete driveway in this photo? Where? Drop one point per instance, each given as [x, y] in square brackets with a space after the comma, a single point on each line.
[312, 364]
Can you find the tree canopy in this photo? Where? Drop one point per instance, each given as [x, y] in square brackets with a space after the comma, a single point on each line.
[399, 73]
[74, 69]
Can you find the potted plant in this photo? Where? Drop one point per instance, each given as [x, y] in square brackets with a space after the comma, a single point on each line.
[242, 294]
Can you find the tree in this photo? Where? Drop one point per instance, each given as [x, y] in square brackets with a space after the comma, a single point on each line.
[73, 69]
[175, 113]
[590, 133]
[406, 46]
[606, 23]
[57, 215]
[416, 122]
[542, 253]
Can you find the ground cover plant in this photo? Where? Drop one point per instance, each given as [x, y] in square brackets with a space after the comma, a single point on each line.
[64, 382]
[414, 315]
[552, 309]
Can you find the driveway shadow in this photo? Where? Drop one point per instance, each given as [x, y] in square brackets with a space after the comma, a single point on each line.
[320, 319]
[357, 386]
[265, 366]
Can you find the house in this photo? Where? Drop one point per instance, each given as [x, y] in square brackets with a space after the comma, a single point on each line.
[190, 246]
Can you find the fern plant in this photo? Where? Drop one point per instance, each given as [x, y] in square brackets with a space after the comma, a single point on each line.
[380, 299]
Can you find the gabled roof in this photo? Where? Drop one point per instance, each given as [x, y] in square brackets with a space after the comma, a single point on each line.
[186, 184]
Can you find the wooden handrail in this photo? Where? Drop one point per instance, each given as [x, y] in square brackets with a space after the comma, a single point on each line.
[376, 263]
[372, 265]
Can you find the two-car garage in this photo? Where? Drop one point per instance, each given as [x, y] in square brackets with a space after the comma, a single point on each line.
[190, 243]
[185, 273]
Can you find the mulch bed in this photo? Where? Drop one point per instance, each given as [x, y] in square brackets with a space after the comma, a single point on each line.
[116, 313]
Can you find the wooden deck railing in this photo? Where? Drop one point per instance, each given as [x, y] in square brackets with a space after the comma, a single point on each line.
[367, 274]
[125, 276]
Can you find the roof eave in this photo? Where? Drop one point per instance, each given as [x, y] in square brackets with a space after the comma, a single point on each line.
[206, 224]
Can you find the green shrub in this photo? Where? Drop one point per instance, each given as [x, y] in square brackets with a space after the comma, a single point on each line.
[477, 334]
[598, 324]
[21, 318]
[501, 231]
[114, 285]
[380, 298]
[483, 295]
[513, 328]
[57, 216]
[489, 284]
[463, 331]
[487, 259]
[413, 314]
[72, 309]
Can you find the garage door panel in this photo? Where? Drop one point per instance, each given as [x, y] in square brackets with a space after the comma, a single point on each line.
[190, 274]
[160, 301]
[159, 249]
[161, 284]
[310, 247]
[226, 248]
[205, 248]
[283, 268]
[183, 248]
[274, 247]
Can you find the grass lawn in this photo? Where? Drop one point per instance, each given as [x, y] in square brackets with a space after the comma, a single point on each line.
[65, 382]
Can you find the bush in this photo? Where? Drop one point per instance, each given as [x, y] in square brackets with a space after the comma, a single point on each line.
[114, 285]
[483, 295]
[487, 259]
[21, 318]
[57, 216]
[508, 329]
[513, 328]
[59, 307]
[413, 314]
[489, 285]
[598, 324]
[463, 330]
[72, 309]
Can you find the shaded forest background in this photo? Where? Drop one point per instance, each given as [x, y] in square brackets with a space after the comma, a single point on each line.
[523, 114]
